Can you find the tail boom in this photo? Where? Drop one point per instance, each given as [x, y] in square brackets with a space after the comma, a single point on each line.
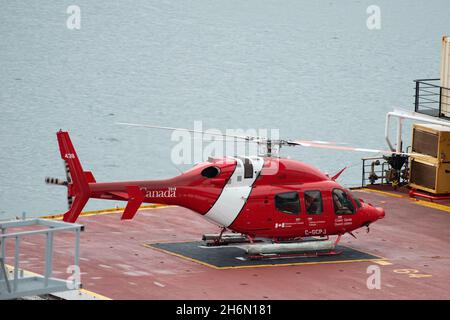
[188, 190]
[78, 186]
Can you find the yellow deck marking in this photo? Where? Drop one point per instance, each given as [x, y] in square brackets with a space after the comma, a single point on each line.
[381, 192]
[433, 205]
[106, 211]
[261, 265]
[383, 262]
[412, 273]
[10, 268]
[95, 295]
[380, 258]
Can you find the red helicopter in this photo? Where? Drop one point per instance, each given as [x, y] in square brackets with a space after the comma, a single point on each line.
[238, 194]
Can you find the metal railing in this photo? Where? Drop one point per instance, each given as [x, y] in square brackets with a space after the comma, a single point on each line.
[28, 284]
[431, 99]
[377, 171]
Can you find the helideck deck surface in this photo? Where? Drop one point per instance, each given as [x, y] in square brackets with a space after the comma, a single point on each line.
[234, 256]
[115, 261]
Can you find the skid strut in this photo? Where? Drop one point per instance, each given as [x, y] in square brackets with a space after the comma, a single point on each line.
[222, 238]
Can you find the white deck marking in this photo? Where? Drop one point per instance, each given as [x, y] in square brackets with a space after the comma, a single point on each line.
[159, 284]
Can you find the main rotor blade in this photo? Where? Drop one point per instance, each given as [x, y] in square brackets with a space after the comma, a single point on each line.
[248, 138]
[313, 144]
[260, 140]
[322, 142]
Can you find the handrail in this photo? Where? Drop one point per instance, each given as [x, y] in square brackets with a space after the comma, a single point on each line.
[433, 95]
[20, 285]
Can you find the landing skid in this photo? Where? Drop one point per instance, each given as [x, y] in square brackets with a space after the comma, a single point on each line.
[259, 250]
[294, 255]
[312, 248]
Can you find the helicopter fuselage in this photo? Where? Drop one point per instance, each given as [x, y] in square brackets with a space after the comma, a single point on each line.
[268, 197]
[257, 196]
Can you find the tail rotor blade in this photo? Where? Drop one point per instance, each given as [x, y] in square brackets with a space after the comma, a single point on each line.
[55, 181]
[69, 200]
[68, 177]
[69, 180]
[60, 182]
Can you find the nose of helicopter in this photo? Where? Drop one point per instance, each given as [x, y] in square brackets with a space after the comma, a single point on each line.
[380, 212]
[374, 213]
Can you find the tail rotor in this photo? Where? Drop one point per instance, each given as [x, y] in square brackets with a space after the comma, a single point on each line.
[77, 181]
[65, 183]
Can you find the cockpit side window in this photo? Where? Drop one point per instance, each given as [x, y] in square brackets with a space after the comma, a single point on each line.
[342, 202]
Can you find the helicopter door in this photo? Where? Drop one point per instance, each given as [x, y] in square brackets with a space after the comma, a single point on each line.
[315, 216]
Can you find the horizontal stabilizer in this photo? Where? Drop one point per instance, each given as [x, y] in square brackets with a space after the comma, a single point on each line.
[136, 197]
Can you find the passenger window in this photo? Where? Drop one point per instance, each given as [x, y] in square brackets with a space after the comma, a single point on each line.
[288, 202]
[313, 202]
[248, 168]
[342, 203]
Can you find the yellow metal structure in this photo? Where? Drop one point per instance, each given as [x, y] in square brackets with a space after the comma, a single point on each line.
[430, 160]
[433, 178]
[431, 140]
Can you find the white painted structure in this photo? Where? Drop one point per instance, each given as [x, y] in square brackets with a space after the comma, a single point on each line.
[401, 114]
[445, 76]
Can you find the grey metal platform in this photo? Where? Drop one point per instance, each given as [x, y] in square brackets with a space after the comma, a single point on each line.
[15, 282]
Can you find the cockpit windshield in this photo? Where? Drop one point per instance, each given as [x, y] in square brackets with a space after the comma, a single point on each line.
[357, 201]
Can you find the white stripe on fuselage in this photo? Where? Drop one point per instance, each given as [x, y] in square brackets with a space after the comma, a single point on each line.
[235, 193]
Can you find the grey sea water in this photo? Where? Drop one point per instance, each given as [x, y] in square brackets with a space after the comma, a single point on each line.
[310, 68]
